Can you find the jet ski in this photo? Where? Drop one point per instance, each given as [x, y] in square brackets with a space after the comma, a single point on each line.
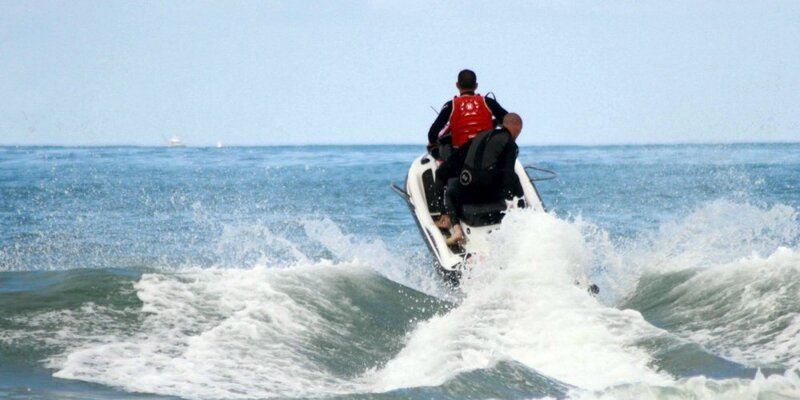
[477, 220]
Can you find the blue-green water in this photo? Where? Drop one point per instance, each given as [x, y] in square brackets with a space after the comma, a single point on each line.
[294, 272]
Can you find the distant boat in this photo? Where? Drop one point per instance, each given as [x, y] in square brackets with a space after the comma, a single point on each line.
[219, 145]
[175, 142]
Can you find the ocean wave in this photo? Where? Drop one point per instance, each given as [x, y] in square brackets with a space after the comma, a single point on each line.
[773, 387]
[232, 333]
[353, 317]
[747, 310]
[522, 304]
[715, 233]
[725, 277]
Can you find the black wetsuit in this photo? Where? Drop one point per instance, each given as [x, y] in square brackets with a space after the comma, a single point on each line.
[444, 117]
[485, 171]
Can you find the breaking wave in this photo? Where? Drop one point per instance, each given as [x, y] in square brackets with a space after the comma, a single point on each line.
[355, 318]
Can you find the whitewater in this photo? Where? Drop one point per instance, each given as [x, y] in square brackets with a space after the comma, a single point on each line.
[294, 272]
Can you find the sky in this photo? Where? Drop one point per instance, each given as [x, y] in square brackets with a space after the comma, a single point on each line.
[369, 72]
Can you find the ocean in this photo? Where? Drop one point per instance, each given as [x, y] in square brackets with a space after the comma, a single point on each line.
[295, 272]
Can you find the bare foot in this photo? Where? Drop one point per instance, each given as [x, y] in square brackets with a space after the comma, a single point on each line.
[457, 236]
[443, 222]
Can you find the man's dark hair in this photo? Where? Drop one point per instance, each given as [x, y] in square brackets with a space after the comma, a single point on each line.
[467, 79]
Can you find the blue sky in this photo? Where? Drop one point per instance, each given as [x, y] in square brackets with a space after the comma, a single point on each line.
[298, 72]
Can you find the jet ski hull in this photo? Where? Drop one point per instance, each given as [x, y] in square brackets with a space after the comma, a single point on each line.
[450, 261]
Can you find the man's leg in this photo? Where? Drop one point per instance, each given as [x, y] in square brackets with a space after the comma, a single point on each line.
[452, 202]
[452, 199]
[448, 204]
[443, 222]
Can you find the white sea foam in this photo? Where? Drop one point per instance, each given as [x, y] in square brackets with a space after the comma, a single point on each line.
[523, 305]
[244, 333]
[748, 310]
[241, 333]
[743, 302]
[715, 233]
[222, 334]
[380, 257]
[774, 387]
[89, 325]
[256, 243]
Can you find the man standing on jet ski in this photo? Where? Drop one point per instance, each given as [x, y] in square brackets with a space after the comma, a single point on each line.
[462, 118]
[485, 170]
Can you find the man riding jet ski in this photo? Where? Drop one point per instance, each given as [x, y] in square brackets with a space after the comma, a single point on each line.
[483, 174]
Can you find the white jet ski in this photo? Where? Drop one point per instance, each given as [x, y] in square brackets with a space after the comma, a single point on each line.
[477, 220]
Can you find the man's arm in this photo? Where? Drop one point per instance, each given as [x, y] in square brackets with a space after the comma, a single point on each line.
[440, 122]
[497, 110]
[451, 168]
[511, 185]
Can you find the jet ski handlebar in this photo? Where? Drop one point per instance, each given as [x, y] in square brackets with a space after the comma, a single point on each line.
[400, 191]
[550, 174]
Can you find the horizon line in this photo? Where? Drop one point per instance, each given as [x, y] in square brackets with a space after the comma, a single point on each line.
[612, 144]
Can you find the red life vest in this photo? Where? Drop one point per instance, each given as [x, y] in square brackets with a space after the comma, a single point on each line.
[470, 117]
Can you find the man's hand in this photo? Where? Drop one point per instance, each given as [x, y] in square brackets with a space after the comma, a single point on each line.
[433, 150]
[515, 202]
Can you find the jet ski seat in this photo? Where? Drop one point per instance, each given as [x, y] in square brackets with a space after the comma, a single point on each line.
[482, 214]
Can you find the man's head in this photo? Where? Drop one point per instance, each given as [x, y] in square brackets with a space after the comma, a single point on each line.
[467, 81]
[513, 122]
